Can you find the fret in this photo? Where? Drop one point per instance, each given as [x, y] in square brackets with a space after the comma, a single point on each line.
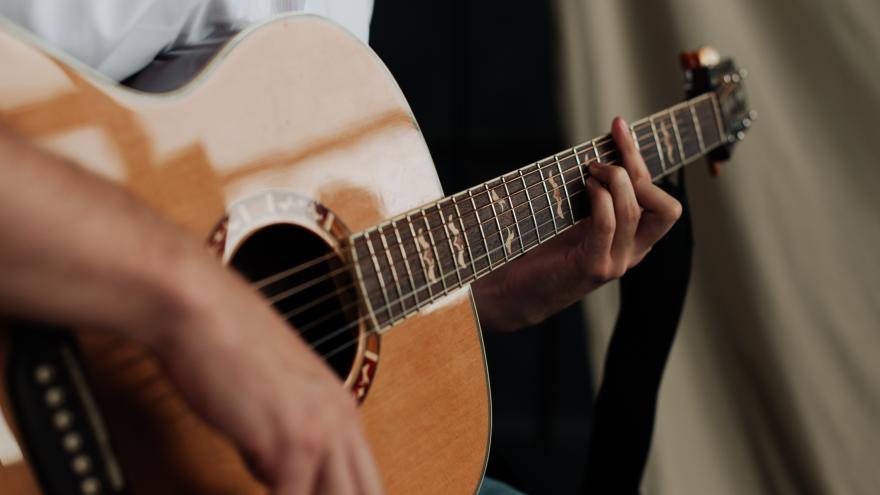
[531, 208]
[485, 226]
[596, 150]
[685, 124]
[432, 247]
[550, 204]
[443, 247]
[546, 226]
[373, 294]
[666, 134]
[697, 128]
[500, 208]
[481, 261]
[580, 165]
[457, 258]
[464, 231]
[652, 160]
[609, 150]
[489, 226]
[399, 268]
[377, 263]
[574, 183]
[369, 284]
[657, 144]
[564, 189]
[717, 110]
[411, 290]
[677, 135]
[426, 258]
[708, 129]
[400, 292]
[513, 206]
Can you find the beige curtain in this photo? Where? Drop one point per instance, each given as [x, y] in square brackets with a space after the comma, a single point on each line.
[774, 383]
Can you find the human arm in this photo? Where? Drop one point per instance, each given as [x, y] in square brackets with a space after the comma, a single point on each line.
[628, 215]
[78, 250]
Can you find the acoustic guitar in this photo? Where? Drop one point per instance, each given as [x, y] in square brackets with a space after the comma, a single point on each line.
[295, 156]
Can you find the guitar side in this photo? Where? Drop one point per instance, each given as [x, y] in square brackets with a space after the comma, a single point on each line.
[296, 104]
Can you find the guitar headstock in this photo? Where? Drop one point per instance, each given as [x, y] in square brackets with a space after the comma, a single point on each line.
[705, 71]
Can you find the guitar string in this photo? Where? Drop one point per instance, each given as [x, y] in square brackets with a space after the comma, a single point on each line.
[439, 229]
[569, 153]
[280, 296]
[387, 306]
[134, 360]
[399, 300]
[472, 228]
[415, 257]
[294, 290]
[595, 145]
[683, 137]
[278, 276]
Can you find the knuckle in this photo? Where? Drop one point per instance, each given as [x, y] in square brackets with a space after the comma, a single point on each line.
[618, 174]
[604, 226]
[311, 440]
[631, 214]
[675, 210]
[601, 271]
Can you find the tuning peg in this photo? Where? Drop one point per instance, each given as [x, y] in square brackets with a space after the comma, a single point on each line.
[753, 114]
[746, 122]
[740, 135]
[744, 73]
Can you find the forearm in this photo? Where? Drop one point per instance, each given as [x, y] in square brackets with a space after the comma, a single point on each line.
[78, 250]
[529, 291]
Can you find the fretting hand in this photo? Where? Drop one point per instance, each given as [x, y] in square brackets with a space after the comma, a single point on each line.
[628, 215]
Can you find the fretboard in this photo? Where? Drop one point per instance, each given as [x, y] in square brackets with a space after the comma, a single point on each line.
[416, 258]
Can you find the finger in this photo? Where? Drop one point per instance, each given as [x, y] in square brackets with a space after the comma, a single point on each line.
[661, 213]
[337, 473]
[602, 223]
[629, 151]
[626, 210]
[301, 473]
[365, 469]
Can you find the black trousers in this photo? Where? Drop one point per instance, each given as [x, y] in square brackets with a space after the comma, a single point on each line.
[652, 297]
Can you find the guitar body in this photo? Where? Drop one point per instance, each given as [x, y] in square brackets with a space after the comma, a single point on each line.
[296, 105]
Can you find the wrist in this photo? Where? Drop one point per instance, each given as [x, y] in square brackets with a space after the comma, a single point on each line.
[173, 284]
[499, 308]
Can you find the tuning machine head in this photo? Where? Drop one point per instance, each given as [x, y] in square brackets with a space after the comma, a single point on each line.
[706, 72]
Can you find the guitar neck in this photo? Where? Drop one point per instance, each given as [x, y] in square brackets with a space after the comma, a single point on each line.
[416, 258]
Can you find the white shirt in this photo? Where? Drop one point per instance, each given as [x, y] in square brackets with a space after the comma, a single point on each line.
[119, 37]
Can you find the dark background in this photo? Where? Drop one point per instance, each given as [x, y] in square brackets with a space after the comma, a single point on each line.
[482, 81]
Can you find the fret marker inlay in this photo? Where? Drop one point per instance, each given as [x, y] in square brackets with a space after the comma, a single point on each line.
[667, 140]
[427, 255]
[501, 203]
[457, 242]
[557, 196]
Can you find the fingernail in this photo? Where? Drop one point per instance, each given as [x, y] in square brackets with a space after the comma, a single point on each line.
[591, 182]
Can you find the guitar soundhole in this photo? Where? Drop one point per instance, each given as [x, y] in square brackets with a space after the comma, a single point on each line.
[308, 284]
